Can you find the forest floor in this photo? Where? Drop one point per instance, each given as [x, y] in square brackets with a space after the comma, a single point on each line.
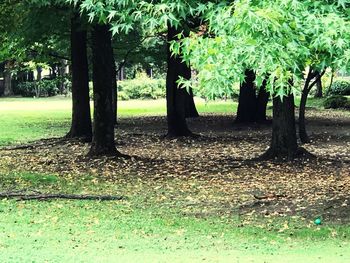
[207, 194]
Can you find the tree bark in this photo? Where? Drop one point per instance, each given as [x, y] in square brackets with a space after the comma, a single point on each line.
[115, 94]
[304, 138]
[284, 140]
[319, 93]
[62, 70]
[8, 89]
[81, 126]
[190, 107]
[178, 99]
[246, 111]
[261, 104]
[103, 79]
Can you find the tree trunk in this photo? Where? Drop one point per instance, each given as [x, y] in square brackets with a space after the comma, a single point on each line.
[261, 104]
[104, 82]
[304, 138]
[177, 97]
[39, 70]
[284, 140]
[190, 107]
[81, 126]
[247, 99]
[319, 93]
[8, 89]
[115, 94]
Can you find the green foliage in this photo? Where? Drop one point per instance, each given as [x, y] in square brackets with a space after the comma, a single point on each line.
[42, 88]
[336, 102]
[141, 88]
[278, 39]
[339, 87]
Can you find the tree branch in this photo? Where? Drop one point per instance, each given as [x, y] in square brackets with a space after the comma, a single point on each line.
[42, 197]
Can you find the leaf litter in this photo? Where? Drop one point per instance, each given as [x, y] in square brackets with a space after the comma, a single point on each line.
[210, 175]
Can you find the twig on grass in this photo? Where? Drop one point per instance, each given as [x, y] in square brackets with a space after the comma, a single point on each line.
[43, 197]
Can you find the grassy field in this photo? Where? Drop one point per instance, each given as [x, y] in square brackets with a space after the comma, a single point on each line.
[135, 229]
[27, 119]
[125, 231]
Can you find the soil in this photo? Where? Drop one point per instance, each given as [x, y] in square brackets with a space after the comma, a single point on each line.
[214, 174]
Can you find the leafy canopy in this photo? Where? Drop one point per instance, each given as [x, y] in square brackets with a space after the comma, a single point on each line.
[278, 39]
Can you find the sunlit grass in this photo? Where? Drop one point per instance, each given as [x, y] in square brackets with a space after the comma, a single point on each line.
[27, 119]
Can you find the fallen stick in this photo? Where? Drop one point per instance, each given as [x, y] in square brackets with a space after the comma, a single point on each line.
[22, 197]
[269, 196]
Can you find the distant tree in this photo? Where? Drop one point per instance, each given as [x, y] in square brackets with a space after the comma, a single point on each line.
[252, 102]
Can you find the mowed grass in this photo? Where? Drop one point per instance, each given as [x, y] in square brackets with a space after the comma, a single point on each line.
[27, 119]
[134, 230]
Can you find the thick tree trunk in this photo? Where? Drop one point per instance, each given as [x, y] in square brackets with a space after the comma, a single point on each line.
[261, 104]
[246, 111]
[81, 126]
[177, 97]
[103, 79]
[284, 140]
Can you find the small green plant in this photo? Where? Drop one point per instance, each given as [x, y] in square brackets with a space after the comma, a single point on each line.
[340, 87]
[336, 102]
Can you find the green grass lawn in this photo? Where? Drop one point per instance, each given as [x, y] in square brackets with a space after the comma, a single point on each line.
[27, 119]
[135, 230]
[130, 231]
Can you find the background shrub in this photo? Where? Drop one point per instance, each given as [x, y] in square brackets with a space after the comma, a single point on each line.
[42, 88]
[340, 87]
[142, 87]
[335, 102]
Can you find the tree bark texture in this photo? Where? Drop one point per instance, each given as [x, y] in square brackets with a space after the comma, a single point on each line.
[319, 91]
[81, 126]
[103, 80]
[247, 99]
[180, 103]
[261, 103]
[284, 140]
[251, 107]
[115, 94]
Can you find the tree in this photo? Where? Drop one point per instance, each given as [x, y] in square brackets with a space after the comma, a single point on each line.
[309, 84]
[251, 104]
[104, 82]
[273, 39]
[57, 44]
[175, 95]
[81, 118]
[156, 16]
